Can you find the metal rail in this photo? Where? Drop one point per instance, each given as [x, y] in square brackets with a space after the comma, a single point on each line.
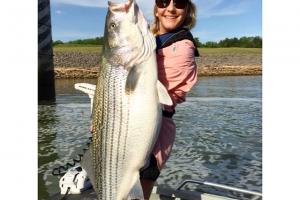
[87, 88]
[216, 185]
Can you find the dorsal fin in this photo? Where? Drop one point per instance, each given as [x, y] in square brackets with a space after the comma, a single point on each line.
[121, 7]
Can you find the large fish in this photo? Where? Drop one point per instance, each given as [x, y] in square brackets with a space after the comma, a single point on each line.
[127, 105]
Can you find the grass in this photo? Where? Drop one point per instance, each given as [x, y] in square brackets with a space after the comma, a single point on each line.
[77, 48]
[98, 49]
[231, 50]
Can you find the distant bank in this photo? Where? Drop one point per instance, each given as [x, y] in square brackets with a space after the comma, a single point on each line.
[77, 61]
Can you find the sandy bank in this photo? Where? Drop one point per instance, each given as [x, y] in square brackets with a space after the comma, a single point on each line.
[68, 64]
[79, 72]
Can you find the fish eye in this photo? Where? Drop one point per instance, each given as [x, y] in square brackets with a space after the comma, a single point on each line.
[113, 25]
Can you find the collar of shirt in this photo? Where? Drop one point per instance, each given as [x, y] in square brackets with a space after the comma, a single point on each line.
[161, 39]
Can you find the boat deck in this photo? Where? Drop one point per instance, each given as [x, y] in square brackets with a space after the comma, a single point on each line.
[157, 194]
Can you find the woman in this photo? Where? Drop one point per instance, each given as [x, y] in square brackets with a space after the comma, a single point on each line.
[176, 51]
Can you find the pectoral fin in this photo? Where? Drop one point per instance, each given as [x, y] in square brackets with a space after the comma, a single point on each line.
[132, 79]
[163, 95]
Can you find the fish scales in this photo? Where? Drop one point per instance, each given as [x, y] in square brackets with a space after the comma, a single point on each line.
[96, 139]
[115, 114]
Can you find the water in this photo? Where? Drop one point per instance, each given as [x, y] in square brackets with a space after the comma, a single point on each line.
[218, 133]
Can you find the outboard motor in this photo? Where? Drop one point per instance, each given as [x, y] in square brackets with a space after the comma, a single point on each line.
[74, 181]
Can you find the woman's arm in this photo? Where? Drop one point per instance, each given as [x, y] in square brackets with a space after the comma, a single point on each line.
[177, 69]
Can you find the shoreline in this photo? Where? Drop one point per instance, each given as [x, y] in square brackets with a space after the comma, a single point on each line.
[84, 62]
[226, 70]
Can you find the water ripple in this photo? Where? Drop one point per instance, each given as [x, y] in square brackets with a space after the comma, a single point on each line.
[218, 135]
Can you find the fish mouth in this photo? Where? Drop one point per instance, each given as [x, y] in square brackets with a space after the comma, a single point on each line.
[120, 6]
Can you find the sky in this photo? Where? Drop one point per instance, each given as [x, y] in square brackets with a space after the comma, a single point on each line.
[216, 19]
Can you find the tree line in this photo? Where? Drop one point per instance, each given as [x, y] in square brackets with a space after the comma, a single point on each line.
[90, 41]
[245, 42]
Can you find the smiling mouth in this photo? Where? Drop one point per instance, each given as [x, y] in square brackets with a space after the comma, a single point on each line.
[171, 17]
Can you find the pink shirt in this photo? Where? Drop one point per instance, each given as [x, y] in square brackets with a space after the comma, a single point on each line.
[178, 73]
[177, 69]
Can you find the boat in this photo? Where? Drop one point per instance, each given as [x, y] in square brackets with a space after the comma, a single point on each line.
[75, 184]
[167, 193]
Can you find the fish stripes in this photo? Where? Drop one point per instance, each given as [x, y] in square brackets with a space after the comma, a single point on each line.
[110, 116]
[104, 133]
[110, 123]
[119, 109]
[97, 138]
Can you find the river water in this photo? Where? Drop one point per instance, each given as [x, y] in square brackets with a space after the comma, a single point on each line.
[218, 137]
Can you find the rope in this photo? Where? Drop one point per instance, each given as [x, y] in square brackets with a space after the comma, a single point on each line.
[62, 169]
[65, 196]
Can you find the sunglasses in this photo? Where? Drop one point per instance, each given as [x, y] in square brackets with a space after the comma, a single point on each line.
[179, 4]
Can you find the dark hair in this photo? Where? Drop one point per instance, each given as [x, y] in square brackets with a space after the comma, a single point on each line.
[189, 22]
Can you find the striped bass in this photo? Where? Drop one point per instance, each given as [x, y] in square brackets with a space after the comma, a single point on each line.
[127, 107]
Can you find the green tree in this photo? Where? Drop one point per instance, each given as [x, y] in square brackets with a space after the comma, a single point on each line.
[198, 43]
[244, 42]
[257, 41]
[224, 43]
[89, 41]
[57, 42]
[211, 44]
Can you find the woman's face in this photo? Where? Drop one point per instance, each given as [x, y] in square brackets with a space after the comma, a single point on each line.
[170, 17]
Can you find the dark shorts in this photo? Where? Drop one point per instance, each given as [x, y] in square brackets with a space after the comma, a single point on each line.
[151, 172]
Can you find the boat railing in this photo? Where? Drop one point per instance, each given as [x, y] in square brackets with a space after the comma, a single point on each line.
[87, 88]
[256, 195]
